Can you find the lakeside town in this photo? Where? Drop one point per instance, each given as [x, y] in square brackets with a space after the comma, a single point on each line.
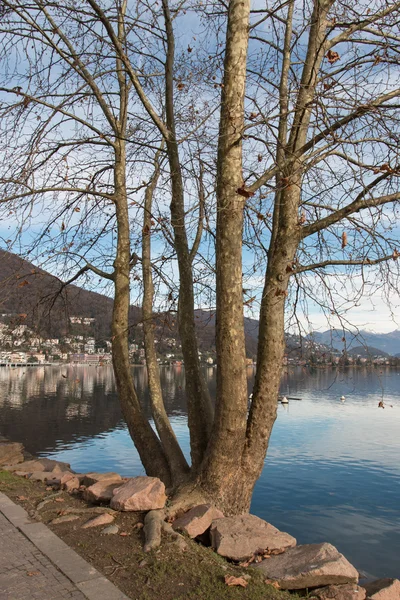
[20, 345]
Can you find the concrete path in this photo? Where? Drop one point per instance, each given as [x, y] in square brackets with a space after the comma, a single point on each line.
[36, 564]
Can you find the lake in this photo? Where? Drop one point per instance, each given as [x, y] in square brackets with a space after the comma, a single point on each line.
[332, 472]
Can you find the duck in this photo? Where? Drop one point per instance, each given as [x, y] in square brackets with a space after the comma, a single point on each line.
[342, 398]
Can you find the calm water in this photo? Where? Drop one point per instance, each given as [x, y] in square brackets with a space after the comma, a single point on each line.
[332, 471]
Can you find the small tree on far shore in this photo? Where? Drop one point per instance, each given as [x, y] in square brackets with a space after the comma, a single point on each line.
[195, 154]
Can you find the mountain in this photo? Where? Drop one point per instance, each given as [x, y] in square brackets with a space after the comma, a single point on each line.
[35, 298]
[388, 343]
[367, 352]
[31, 296]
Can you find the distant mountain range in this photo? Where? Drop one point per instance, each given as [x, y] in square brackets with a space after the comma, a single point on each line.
[45, 307]
[387, 343]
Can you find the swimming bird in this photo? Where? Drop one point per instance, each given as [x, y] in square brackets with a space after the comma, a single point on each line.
[342, 399]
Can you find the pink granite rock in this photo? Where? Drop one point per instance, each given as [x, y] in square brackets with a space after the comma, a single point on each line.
[92, 478]
[71, 485]
[41, 464]
[346, 591]
[97, 521]
[70, 481]
[238, 538]
[197, 520]
[308, 566]
[383, 589]
[102, 491]
[139, 493]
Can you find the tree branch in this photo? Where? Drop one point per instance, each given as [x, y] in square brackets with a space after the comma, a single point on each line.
[334, 263]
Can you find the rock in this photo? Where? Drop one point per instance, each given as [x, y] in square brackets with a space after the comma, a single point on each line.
[64, 519]
[66, 477]
[71, 484]
[238, 538]
[139, 493]
[347, 591]
[383, 589]
[11, 453]
[54, 483]
[42, 464]
[97, 521]
[111, 530]
[102, 491]
[308, 566]
[197, 520]
[21, 473]
[43, 476]
[91, 478]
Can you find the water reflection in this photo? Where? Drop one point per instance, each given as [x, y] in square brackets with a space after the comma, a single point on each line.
[332, 471]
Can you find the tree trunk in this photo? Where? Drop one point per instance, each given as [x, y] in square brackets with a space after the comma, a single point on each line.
[219, 471]
[200, 410]
[177, 463]
[144, 438]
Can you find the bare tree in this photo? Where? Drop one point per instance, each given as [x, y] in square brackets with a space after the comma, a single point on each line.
[225, 143]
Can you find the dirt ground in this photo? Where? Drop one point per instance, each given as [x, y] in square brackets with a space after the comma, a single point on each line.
[168, 572]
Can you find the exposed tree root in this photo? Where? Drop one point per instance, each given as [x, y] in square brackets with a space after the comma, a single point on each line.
[177, 538]
[98, 510]
[152, 529]
[186, 497]
[43, 503]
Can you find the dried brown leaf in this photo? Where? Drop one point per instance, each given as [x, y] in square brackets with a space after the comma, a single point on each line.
[272, 582]
[332, 57]
[230, 580]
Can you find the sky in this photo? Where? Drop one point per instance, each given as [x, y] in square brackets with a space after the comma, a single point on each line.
[371, 314]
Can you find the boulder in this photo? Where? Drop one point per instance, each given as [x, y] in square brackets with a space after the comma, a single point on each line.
[71, 484]
[346, 591]
[238, 538]
[102, 491]
[11, 453]
[197, 520]
[139, 493]
[104, 519]
[70, 481]
[308, 566]
[66, 477]
[91, 478]
[41, 464]
[383, 589]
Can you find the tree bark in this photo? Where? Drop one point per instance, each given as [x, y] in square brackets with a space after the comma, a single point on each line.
[222, 462]
[284, 243]
[177, 463]
[144, 438]
[200, 410]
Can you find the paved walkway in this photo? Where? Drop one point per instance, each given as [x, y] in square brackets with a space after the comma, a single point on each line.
[36, 564]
